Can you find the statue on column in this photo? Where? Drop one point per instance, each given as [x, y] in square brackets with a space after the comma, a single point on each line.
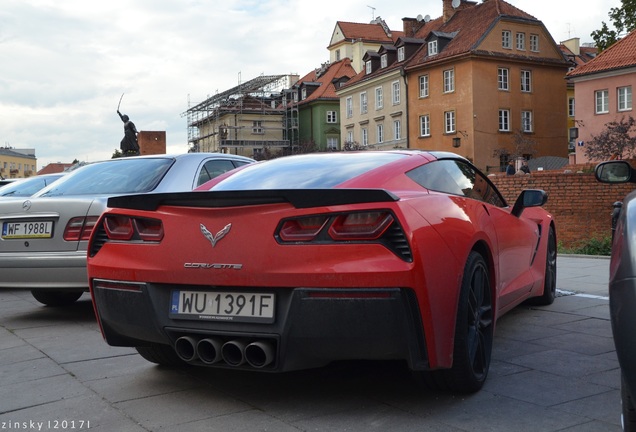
[129, 144]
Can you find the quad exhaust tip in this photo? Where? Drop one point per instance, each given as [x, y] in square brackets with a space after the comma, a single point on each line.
[235, 352]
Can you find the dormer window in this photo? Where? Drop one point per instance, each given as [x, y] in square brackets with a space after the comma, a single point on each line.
[400, 54]
[368, 67]
[303, 94]
[383, 61]
[432, 47]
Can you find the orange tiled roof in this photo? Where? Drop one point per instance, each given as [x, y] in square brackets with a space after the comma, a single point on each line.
[471, 24]
[367, 32]
[55, 168]
[620, 55]
[326, 88]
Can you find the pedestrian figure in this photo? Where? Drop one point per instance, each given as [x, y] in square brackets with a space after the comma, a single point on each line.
[128, 143]
[524, 167]
[510, 169]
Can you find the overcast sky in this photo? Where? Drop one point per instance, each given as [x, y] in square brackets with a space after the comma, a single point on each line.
[64, 64]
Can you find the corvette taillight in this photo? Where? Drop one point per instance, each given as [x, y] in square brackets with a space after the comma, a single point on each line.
[124, 228]
[302, 229]
[79, 228]
[360, 226]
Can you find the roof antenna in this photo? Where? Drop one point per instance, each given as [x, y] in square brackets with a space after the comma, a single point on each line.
[372, 12]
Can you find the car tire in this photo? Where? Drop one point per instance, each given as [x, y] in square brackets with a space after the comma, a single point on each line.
[56, 298]
[628, 411]
[474, 333]
[549, 283]
[163, 355]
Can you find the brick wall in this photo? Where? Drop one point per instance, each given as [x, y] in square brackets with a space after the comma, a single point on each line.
[581, 206]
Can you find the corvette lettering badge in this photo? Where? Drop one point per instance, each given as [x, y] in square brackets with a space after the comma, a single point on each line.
[215, 238]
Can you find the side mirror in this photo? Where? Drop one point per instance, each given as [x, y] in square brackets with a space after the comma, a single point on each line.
[614, 172]
[529, 198]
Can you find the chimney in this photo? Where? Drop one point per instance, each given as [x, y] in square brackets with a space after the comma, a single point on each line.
[447, 10]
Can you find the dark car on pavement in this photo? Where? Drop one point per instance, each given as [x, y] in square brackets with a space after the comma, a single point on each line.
[622, 284]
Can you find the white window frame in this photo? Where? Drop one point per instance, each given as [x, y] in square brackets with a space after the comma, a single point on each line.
[432, 48]
[503, 79]
[424, 86]
[449, 122]
[364, 103]
[506, 39]
[257, 127]
[526, 81]
[350, 136]
[332, 143]
[624, 98]
[303, 93]
[400, 54]
[571, 107]
[365, 136]
[349, 106]
[601, 98]
[520, 41]
[384, 60]
[395, 92]
[379, 98]
[534, 42]
[527, 125]
[425, 125]
[332, 117]
[397, 129]
[449, 80]
[379, 130]
[504, 120]
[367, 67]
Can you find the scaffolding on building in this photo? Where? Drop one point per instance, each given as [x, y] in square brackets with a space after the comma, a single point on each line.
[218, 124]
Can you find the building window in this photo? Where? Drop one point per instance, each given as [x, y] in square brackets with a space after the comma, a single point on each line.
[504, 120]
[337, 55]
[332, 117]
[365, 137]
[368, 67]
[332, 143]
[432, 47]
[520, 39]
[534, 43]
[257, 127]
[349, 136]
[383, 61]
[526, 81]
[449, 122]
[526, 121]
[303, 93]
[425, 125]
[571, 107]
[602, 101]
[364, 103]
[395, 92]
[506, 39]
[397, 130]
[449, 81]
[380, 133]
[400, 54]
[349, 107]
[379, 101]
[624, 98]
[503, 78]
[295, 96]
[424, 86]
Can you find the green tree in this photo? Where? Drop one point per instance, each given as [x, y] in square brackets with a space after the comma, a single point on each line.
[617, 140]
[624, 21]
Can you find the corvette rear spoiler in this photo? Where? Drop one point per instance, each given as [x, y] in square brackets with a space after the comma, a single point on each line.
[299, 198]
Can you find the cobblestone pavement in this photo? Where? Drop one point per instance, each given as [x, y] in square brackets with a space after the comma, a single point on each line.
[554, 369]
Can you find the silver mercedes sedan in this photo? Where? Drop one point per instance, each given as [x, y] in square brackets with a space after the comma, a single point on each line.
[43, 238]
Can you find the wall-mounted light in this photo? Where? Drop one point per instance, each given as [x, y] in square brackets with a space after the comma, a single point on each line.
[457, 141]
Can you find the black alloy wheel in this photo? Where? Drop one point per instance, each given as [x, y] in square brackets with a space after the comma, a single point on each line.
[549, 284]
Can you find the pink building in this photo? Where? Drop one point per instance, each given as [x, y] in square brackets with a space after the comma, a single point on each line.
[603, 91]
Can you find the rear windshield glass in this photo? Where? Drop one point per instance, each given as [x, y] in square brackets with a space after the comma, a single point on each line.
[113, 177]
[306, 171]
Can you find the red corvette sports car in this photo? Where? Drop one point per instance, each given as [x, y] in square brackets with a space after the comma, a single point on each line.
[304, 260]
